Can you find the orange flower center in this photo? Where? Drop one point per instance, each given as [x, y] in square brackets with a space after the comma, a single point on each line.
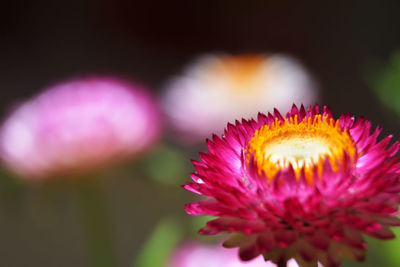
[304, 145]
[243, 73]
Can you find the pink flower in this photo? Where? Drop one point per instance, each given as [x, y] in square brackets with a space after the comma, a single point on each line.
[216, 89]
[193, 254]
[79, 125]
[304, 186]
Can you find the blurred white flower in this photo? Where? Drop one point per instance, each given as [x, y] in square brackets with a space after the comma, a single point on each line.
[217, 89]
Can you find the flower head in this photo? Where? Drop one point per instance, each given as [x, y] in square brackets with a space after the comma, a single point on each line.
[305, 186]
[216, 89]
[192, 254]
[78, 125]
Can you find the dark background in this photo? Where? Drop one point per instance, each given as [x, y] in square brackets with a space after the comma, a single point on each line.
[43, 42]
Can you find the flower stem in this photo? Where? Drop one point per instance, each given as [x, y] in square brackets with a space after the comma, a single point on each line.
[95, 222]
[282, 264]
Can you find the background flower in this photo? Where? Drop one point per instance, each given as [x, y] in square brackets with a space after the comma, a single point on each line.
[78, 125]
[195, 254]
[220, 88]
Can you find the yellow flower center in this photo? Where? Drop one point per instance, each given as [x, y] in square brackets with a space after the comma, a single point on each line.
[302, 144]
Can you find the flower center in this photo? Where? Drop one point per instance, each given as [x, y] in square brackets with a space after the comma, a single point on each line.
[304, 145]
[243, 73]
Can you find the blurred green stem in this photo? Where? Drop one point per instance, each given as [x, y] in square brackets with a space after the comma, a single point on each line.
[95, 222]
[159, 246]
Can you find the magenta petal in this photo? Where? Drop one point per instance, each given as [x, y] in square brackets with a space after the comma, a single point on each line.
[317, 212]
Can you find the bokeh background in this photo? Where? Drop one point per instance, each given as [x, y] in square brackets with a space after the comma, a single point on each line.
[348, 46]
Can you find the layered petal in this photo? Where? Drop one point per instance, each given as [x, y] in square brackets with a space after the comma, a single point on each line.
[303, 186]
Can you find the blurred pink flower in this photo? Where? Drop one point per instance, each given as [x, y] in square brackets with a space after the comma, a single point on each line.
[193, 254]
[216, 89]
[79, 125]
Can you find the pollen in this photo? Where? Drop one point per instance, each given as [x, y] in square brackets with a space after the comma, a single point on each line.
[304, 145]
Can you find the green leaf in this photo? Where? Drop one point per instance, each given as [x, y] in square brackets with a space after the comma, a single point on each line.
[386, 83]
[390, 249]
[9, 183]
[161, 243]
[168, 166]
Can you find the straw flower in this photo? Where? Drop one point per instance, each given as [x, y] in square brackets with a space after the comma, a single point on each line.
[78, 125]
[219, 88]
[194, 254]
[305, 186]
